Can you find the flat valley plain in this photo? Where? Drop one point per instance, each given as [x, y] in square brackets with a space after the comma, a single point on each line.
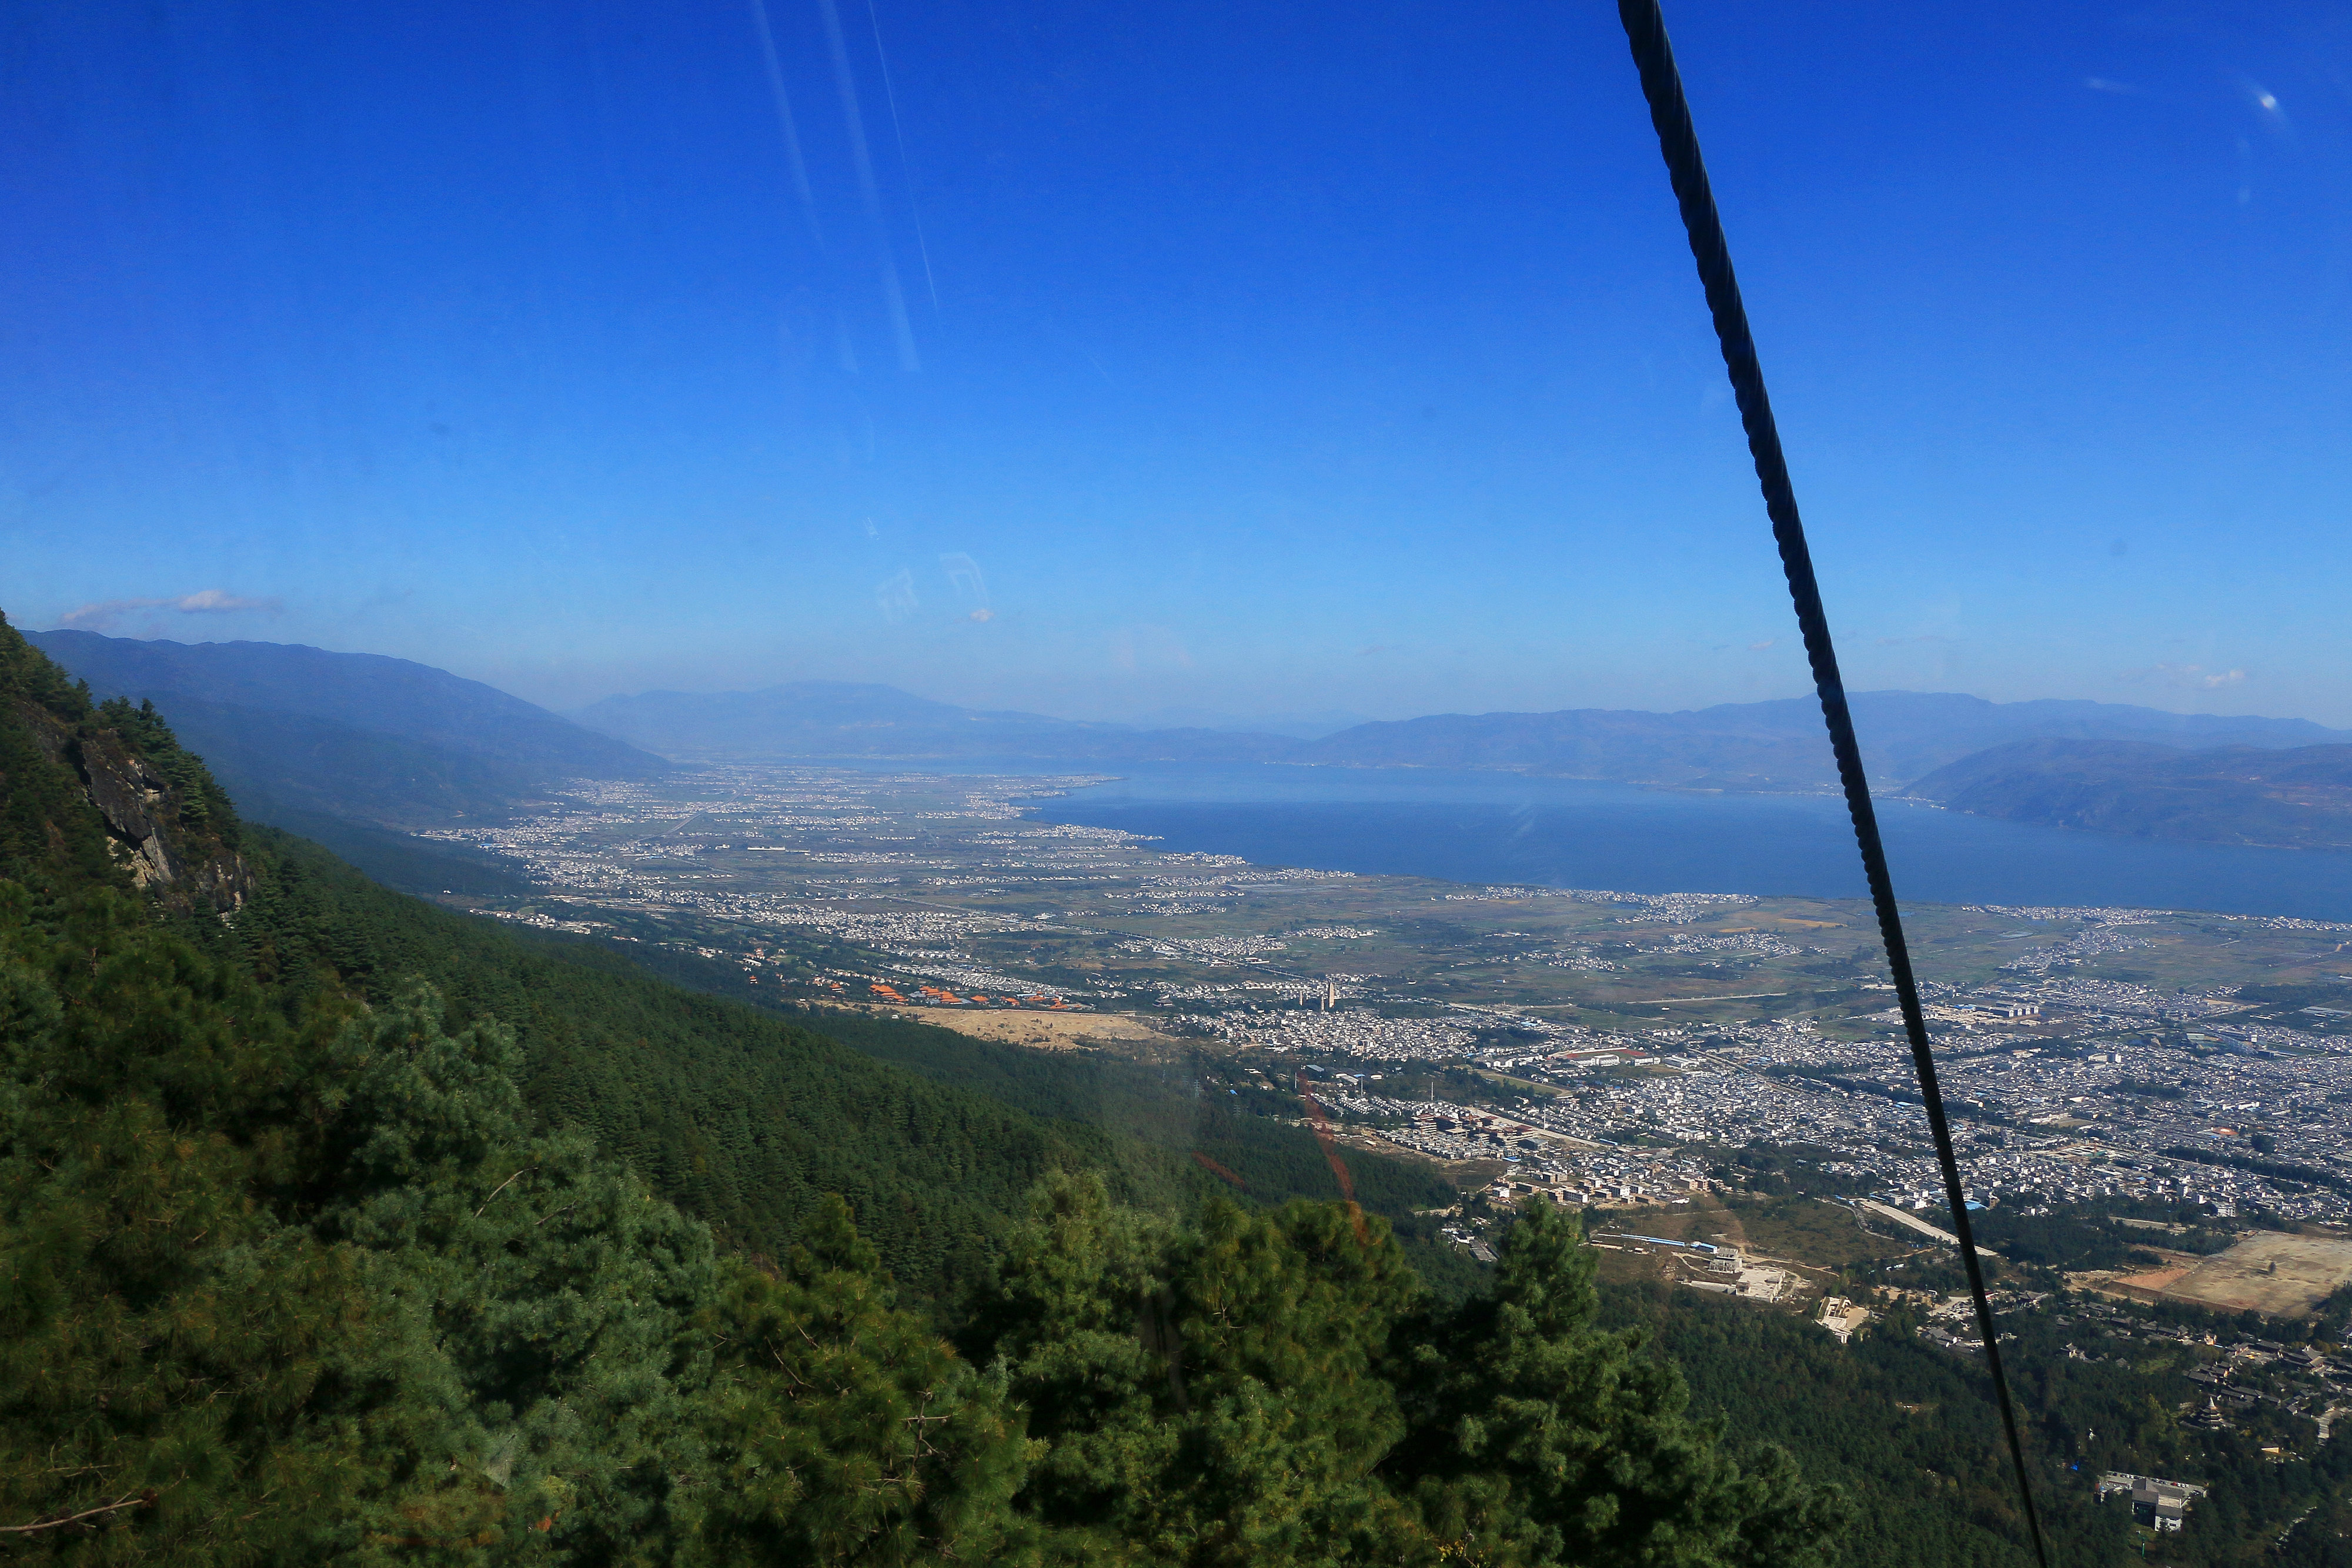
[1606, 1047]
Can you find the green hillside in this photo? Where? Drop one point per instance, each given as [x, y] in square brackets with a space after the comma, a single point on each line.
[337, 1229]
[744, 1120]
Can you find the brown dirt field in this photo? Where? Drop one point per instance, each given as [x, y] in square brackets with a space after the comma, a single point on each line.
[1042, 1029]
[2153, 1280]
[2280, 1276]
[2149, 1285]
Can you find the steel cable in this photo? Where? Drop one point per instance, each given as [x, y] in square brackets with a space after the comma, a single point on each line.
[1645, 31]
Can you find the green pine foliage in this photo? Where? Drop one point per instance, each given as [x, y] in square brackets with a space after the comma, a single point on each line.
[1203, 1393]
[744, 1119]
[1277, 1386]
[48, 834]
[170, 1350]
[842, 1431]
[559, 1295]
[1543, 1437]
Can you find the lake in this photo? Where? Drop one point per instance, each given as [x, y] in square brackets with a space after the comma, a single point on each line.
[1500, 828]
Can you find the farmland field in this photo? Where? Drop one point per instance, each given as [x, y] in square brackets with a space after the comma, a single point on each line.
[2281, 1276]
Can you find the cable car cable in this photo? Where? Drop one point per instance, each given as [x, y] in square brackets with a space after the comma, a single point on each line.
[1645, 31]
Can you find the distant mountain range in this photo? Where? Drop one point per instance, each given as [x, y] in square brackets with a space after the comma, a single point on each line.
[1769, 746]
[2298, 798]
[1779, 746]
[352, 747]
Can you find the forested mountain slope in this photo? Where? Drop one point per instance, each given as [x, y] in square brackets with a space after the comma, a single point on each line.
[742, 1118]
[293, 1269]
[364, 693]
[352, 749]
[1907, 1428]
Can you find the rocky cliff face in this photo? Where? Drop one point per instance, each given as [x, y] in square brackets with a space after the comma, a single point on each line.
[144, 817]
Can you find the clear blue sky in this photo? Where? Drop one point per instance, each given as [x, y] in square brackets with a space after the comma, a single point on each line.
[1258, 359]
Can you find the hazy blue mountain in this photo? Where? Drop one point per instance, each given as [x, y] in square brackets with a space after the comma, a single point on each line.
[344, 747]
[1912, 732]
[364, 691]
[1311, 725]
[1768, 746]
[2297, 797]
[340, 747]
[275, 759]
[842, 718]
[1719, 748]
[1779, 745]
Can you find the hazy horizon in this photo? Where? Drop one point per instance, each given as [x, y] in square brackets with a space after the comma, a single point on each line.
[1269, 720]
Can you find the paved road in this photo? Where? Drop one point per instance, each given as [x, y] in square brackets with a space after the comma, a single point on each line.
[1904, 1216]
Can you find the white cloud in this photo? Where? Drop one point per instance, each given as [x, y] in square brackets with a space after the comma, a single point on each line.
[203, 601]
[2189, 677]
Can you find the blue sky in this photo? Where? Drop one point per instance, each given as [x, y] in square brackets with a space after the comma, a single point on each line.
[1107, 359]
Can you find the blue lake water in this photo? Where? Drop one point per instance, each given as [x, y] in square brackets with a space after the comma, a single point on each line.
[1498, 827]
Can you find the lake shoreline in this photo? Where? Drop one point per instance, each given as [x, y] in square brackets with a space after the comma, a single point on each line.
[1485, 828]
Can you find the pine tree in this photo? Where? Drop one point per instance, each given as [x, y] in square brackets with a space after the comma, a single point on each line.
[561, 1296]
[1538, 1439]
[1207, 1394]
[184, 1377]
[843, 1431]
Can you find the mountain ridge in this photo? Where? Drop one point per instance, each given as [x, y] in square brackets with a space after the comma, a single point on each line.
[2290, 798]
[1766, 745]
[359, 750]
[353, 751]
[373, 693]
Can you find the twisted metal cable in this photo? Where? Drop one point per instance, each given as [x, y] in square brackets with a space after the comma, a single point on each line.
[1645, 31]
